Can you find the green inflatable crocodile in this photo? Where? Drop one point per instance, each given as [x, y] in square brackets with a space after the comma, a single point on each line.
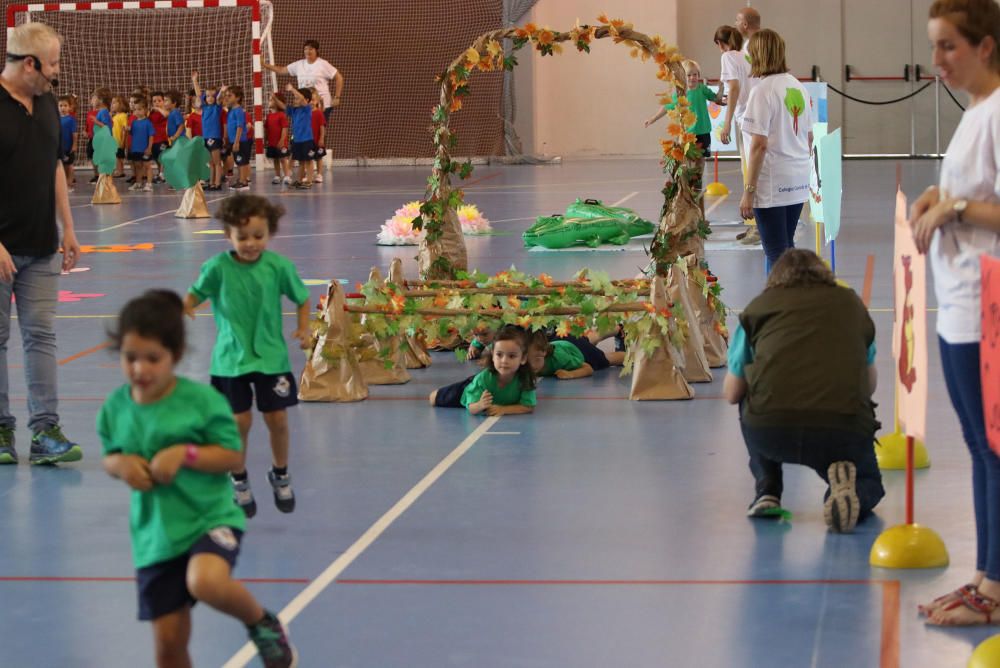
[586, 223]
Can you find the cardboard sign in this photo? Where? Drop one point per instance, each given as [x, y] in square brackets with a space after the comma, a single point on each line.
[909, 330]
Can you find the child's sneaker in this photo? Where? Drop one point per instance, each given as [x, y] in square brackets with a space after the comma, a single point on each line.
[284, 497]
[287, 180]
[299, 185]
[135, 187]
[243, 496]
[8, 455]
[159, 179]
[241, 185]
[130, 179]
[276, 181]
[50, 446]
[271, 639]
[319, 178]
[619, 339]
[840, 510]
[148, 188]
[762, 504]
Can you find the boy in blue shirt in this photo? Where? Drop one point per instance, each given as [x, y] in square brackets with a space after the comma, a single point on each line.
[175, 118]
[303, 146]
[239, 138]
[211, 127]
[67, 138]
[140, 148]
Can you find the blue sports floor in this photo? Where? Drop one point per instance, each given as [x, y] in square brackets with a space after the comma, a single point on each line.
[596, 532]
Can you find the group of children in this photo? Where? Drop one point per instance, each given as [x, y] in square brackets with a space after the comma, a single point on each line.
[148, 122]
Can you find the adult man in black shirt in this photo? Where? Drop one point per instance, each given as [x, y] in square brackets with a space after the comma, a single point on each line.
[32, 191]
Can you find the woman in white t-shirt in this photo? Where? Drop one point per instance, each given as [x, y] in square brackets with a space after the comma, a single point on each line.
[776, 125]
[735, 72]
[956, 222]
[314, 72]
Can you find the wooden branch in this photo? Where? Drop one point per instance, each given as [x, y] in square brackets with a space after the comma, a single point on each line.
[628, 307]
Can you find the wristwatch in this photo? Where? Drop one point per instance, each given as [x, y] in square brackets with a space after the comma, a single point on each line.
[750, 188]
[959, 208]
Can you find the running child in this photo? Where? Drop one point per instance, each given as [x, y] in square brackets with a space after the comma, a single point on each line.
[67, 138]
[172, 441]
[250, 357]
[505, 387]
[276, 134]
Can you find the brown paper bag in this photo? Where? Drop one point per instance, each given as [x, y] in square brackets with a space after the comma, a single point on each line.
[682, 220]
[696, 369]
[655, 375]
[369, 351]
[106, 192]
[332, 372]
[451, 245]
[193, 204]
[415, 355]
[716, 345]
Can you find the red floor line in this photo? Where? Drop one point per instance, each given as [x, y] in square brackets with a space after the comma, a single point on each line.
[544, 583]
[84, 353]
[43, 578]
[545, 398]
[480, 179]
[890, 625]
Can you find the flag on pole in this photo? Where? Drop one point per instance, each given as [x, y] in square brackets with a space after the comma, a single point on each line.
[909, 331]
[989, 349]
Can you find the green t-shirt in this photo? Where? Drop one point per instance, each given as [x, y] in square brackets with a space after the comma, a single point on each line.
[508, 395]
[698, 101]
[168, 519]
[246, 304]
[564, 356]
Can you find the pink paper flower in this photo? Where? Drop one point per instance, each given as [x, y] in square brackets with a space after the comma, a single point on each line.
[472, 220]
[398, 230]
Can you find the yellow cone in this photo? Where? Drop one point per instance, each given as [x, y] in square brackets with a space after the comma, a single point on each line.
[987, 654]
[716, 189]
[890, 451]
[909, 546]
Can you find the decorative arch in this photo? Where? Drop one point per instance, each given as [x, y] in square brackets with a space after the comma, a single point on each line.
[681, 230]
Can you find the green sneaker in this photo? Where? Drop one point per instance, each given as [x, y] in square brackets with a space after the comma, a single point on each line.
[8, 455]
[51, 447]
[271, 639]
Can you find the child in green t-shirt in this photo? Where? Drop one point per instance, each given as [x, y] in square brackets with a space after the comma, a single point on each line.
[505, 387]
[172, 441]
[250, 357]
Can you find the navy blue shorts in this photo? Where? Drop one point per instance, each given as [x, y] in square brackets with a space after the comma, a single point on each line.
[704, 142]
[139, 157]
[68, 158]
[120, 153]
[242, 156]
[213, 144]
[450, 396]
[90, 148]
[592, 355]
[275, 153]
[163, 586]
[304, 150]
[159, 148]
[320, 153]
[274, 392]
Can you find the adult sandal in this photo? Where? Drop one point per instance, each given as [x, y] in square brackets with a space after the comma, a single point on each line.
[944, 600]
[975, 601]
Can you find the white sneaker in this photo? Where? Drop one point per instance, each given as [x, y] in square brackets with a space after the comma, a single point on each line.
[148, 187]
[287, 180]
[318, 179]
[762, 504]
[276, 180]
[135, 186]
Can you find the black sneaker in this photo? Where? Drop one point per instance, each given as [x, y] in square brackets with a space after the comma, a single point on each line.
[284, 497]
[620, 339]
[243, 496]
[271, 639]
[841, 508]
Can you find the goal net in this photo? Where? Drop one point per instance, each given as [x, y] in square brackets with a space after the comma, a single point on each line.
[388, 51]
[127, 45]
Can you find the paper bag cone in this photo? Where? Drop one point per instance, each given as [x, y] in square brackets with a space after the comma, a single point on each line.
[332, 372]
[106, 192]
[415, 353]
[193, 205]
[655, 375]
[371, 356]
[696, 369]
[450, 245]
[716, 345]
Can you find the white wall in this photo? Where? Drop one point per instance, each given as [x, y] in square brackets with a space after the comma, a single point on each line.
[593, 105]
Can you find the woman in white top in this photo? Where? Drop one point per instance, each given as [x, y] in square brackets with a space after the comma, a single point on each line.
[957, 222]
[776, 121]
[735, 72]
[314, 72]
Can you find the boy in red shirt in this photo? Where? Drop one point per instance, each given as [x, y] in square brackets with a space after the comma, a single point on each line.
[158, 117]
[276, 136]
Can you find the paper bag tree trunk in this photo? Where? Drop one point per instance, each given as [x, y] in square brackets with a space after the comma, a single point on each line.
[696, 369]
[193, 204]
[106, 192]
[655, 374]
[681, 223]
[716, 346]
[370, 353]
[415, 355]
[332, 372]
[451, 245]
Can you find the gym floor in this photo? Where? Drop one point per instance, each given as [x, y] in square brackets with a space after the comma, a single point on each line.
[596, 532]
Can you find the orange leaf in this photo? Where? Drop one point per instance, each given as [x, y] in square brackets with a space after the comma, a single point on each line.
[456, 104]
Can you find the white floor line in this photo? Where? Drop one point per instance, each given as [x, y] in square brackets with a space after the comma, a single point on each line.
[626, 198]
[715, 205]
[316, 587]
[502, 433]
[155, 215]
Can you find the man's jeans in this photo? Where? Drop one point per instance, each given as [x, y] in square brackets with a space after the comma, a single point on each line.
[36, 289]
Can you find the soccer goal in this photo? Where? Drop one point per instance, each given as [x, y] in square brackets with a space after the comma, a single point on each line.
[123, 45]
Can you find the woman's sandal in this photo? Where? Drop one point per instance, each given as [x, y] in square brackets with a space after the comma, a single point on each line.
[971, 600]
[942, 601]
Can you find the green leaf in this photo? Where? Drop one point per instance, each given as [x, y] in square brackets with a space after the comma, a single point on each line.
[466, 170]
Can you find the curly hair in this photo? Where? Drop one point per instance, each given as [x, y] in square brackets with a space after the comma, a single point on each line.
[798, 268]
[237, 210]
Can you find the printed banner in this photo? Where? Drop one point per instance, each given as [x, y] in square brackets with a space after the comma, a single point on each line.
[817, 101]
[830, 161]
[909, 330]
[989, 349]
[815, 208]
[718, 116]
